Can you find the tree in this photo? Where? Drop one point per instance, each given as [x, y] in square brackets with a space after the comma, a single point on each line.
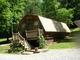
[5, 16]
[77, 11]
[53, 9]
[33, 7]
[64, 15]
[50, 7]
[10, 11]
[74, 4]
[17, 8]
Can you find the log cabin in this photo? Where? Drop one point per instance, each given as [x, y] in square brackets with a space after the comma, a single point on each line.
[31, 26]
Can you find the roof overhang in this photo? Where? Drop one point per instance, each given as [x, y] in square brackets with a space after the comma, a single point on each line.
[47, 24]
[53, 26]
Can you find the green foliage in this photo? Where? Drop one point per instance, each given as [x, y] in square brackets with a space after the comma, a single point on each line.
[64, 15]
[17, 8]
[42, 41]
[15, 47]
[33, 7]
[50, 7]
[5, 15]
[74, 4]
[11, 11]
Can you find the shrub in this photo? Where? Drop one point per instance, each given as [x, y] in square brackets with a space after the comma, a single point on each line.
[15, 47]
[42, 41]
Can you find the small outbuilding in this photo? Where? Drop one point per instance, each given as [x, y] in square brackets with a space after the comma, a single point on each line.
[31, 26]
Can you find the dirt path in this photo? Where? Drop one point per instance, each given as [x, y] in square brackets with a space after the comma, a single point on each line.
[65, 54]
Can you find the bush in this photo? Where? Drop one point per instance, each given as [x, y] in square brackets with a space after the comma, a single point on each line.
[16, 48]
[42, 41]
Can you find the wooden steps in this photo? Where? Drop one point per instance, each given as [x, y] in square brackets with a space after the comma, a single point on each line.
[17, 37]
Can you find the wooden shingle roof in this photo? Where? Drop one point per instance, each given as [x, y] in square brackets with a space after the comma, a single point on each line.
[50, 25]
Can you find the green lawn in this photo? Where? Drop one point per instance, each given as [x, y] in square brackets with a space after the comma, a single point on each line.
[2, 39]
[62, 45]
[4, 49]
[76, 30]
[75, 36]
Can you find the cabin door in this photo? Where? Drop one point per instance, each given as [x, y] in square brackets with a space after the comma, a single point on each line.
[32, 29]
[32, 33]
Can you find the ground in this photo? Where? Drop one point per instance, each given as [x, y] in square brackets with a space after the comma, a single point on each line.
[62, 45]
[5, 47]
[62, 54]
[69, 53]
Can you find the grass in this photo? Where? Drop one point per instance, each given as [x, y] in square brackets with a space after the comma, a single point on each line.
[76, 30]
[4, 49]
[75, 33]
[3, 39]
[62, 45]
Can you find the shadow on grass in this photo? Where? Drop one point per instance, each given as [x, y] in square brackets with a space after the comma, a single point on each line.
[4, 42]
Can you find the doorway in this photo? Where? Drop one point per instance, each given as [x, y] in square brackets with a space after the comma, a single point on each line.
[33, 43]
